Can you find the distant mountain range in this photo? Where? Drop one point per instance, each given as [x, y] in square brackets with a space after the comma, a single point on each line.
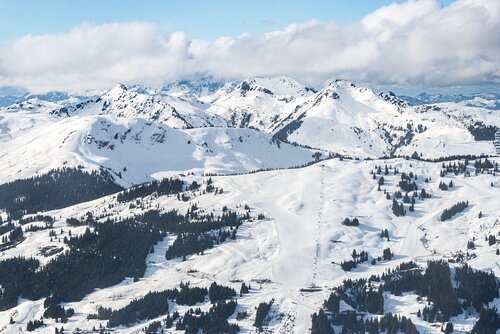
[483, 100]
[256, 118]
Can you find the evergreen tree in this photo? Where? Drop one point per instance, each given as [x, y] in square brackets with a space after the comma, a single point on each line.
[321, 324]
[488, 323]
[262, 311]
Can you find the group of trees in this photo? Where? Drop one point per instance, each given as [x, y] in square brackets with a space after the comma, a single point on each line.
[434, 283]
[321, 324]
[482, 131]
[349, 222]
[407, 182]
[398, 209]
[6, 226]
[15, 235]
[475, 287]
[218, 293]
[156, 303]
[34, 324]
[16, 232]
[108, 254]
[387, 254]
[261, 314]
[378, 170]
[356, 259]
[456, 169]
[485, 166]
[190, 296]
[212, 321]
[467, 157]
[444, 186]
[37, 218]
[359, 294]
[196, 231]
[200, 232]
[152, 328]
[481, 166]
[166, 186]
[350, 322]
[56, 311]
[385, 234]
[244, 289]
[488, 323]
[407, 185]
[152, 305]
[59, 188]
[472, 288]
[195, 243]
[456, 208]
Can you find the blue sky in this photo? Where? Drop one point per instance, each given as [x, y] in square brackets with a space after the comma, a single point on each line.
[406, 46]
[199, 19]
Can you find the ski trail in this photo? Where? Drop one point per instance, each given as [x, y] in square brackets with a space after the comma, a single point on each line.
[318, 223]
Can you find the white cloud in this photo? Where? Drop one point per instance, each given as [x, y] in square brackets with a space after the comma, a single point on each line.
[416, 43]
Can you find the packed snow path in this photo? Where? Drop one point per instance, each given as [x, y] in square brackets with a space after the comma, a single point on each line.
[318, 223]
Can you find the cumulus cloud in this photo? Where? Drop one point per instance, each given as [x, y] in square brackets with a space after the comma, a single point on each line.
[415, 43]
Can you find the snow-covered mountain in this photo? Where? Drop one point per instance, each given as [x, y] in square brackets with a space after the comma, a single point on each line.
[354, 121]
[135, 149]
[483, 100]
[259, 103]
[137, 103]
[340, 118]
[246, 201]
[193, 88]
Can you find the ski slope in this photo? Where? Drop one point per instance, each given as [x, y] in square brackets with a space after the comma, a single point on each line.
[300, 242]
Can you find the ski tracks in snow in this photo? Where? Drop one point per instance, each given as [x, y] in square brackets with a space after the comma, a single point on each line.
[318, 223]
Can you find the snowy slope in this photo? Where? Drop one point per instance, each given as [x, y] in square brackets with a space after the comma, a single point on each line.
[483, 100]
[352, 120]
[340, 118]
[129, 103]
[300, 242]
[260, 103]
[134, 150]
[193, 88]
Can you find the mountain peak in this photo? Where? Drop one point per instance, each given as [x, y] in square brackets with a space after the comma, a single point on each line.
[394, 99]
[341, 84]
[118, 89]
[196, 88]
[280, 86]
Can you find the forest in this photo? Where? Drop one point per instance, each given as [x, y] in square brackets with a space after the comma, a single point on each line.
[447, 297]
[57, 189]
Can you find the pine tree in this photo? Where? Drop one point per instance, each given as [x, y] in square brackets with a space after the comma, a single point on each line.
[321, 324]
[381, 181]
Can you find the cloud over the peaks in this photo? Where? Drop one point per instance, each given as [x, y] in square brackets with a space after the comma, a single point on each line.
[416, 43]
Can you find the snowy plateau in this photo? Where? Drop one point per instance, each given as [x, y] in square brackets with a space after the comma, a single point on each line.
[255, 206]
